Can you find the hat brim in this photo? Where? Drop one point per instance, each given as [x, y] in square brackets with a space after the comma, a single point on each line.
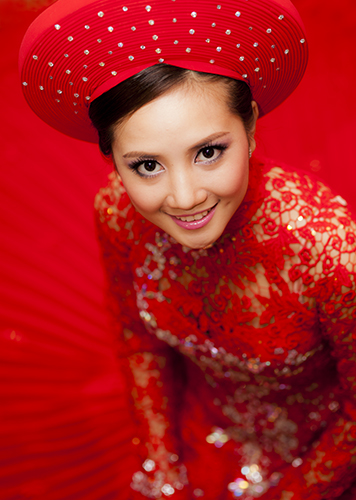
[78, 49]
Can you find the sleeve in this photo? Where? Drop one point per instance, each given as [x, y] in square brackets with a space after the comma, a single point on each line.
[329, 466]
[150, 366]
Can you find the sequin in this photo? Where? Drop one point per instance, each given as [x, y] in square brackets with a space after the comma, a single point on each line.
[158, 51]
[86, 52]
[87, 98]
[302, 40]
[87, 27]
[207, 40]
[142, 47]
[218, 49]
[174, 20]
[70, 39]
[133, 28]
[59, 92]
[218, 7]
[241, 58]
[191, 32]
[51, 64]
[110, 29]
[194, 14]
[131, 58]
[102, 64]
[41, 87]
[57, 26]
[76, 96]
[35, 58]
[68, 71]
[272, 60]
[120, 44]
[85, 79]
[237, 13]
[269, 30]
[99, 40]
[286, 51]
[161, 60]
[238, 45]
[151, 22]
[24, 84]
[114, 73]
[212, 61]
[148, 8]
[101, 14]
[228, 32]
[244, 76]
[155, 37]
[125, 9]
[188, 49]
[281, 17]
[213, 25]
[255, 44]
[175, 42]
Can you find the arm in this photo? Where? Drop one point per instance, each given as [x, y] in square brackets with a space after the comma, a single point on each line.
[148, 364]
[329, 467]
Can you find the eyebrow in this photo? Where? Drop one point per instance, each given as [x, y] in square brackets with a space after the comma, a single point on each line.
[145, 155]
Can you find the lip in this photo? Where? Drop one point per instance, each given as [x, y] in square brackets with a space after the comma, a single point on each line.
[195, 224]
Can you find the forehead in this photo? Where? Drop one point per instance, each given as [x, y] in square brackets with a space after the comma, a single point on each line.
[194, 108]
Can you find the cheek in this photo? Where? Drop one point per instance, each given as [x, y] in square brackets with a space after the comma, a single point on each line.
[232, 182]
[146, 199]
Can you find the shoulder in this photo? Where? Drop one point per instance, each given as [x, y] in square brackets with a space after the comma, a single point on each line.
[114, 211]
[308, 209]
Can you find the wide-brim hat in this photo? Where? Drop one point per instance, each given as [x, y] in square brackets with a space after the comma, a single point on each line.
[78, 49]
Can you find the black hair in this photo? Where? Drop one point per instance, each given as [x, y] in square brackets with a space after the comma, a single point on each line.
[128, 96]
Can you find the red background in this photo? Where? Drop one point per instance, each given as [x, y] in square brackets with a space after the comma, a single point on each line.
[64, 429]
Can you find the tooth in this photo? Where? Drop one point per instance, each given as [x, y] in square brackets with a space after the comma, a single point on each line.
[199, 216]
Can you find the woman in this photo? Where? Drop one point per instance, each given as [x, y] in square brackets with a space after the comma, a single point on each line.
[231, 279]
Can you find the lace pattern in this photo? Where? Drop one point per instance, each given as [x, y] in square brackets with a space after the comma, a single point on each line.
[267, 317]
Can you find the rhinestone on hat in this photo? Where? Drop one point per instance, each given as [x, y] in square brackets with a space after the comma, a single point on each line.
[148, 8]
[57, 26]
[101, 14]
[194, 14]
[238, 13]
[281, 17]
[110, 29]
[192, 32]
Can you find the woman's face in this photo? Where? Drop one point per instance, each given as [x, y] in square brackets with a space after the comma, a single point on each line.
[183, 159]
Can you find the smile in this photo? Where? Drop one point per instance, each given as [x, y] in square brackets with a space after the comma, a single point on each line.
[195, 221]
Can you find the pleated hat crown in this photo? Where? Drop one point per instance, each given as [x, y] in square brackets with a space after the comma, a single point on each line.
[78, 49]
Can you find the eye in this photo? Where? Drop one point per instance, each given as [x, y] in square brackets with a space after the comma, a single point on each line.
[210, 153]
[146, 168]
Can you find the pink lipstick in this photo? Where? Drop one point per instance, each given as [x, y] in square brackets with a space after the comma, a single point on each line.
[195, 224]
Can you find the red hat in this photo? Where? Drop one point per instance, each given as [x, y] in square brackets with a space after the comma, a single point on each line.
[78, 49]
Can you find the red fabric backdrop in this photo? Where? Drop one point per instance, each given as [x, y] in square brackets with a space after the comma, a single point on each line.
[64, 430]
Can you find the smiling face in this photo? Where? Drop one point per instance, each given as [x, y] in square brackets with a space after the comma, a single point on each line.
[183, 159]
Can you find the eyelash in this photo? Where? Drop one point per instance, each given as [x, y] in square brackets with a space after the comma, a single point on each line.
[135, 164]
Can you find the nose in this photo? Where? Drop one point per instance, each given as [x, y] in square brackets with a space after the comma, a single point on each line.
[186, 189]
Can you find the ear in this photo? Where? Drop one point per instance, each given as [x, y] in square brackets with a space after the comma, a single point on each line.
[251, 134]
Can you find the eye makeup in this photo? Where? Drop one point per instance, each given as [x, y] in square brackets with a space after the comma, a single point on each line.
[151, 163]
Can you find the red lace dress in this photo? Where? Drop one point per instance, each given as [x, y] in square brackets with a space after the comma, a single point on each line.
[240, 359]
